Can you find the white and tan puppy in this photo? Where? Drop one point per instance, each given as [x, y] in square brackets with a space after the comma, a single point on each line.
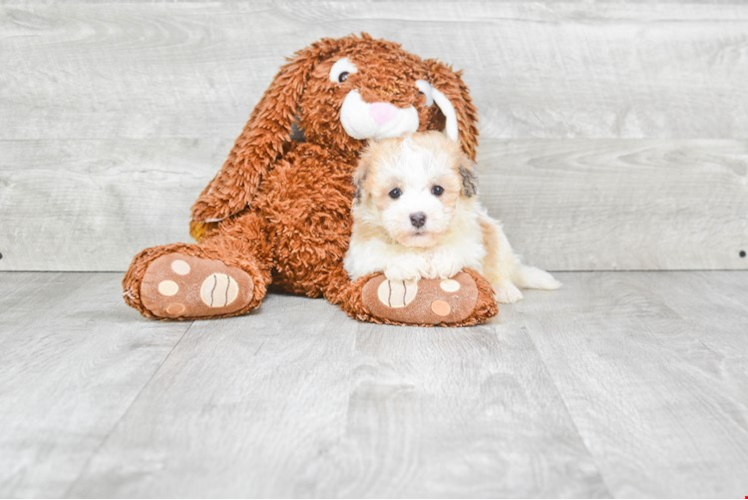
[416, 215]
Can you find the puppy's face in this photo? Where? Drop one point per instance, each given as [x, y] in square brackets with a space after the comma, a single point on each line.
[412, 187]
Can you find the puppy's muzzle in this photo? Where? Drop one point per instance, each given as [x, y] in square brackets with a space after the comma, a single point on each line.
[418, 219]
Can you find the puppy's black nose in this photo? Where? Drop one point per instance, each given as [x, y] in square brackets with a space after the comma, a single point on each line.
[418, 219]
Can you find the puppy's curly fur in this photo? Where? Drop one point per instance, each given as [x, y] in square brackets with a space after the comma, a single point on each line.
[417, 215]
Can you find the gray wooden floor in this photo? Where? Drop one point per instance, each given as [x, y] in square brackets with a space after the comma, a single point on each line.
[620, 384]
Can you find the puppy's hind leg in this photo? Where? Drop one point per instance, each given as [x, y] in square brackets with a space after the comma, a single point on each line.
[500, 262]
[505, 269]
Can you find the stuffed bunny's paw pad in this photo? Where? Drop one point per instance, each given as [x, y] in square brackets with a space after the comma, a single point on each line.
[181, 286]
[427, 301]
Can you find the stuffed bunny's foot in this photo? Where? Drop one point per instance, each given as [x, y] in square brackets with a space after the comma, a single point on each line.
[464, 299]
[178, 286]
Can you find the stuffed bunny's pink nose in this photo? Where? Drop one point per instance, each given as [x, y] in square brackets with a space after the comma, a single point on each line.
[382, 112]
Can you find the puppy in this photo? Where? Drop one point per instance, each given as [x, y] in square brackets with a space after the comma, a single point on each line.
[416, 215]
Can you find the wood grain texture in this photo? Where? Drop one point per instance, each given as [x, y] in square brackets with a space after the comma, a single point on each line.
[621, 204]
[298, 400]
[620, 384]
[614, 132]
[91, 205]
[466, 414]
[654, 380]
[566, 205]
[71, 363]
[541, 69]
[605, 3]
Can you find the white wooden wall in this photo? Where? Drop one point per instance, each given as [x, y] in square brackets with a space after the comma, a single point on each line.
[613, 133]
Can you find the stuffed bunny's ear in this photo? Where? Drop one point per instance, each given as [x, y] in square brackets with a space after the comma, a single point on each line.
[451, 95]
[263, 139]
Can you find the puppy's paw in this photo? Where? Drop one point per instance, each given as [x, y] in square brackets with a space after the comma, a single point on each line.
[405, 268]
[444, 265]
[507, 293]
[400, 275]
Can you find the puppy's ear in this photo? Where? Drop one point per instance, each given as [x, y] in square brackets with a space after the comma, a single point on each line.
[469, 177]
[358, 181]
[452, 97]
[361, 173]
[264, 137]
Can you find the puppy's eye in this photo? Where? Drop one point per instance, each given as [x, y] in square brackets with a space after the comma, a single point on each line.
[437, 190]
[395, 193]
[341, 70]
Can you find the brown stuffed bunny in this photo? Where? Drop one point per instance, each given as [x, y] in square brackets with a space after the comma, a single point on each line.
[279, 209]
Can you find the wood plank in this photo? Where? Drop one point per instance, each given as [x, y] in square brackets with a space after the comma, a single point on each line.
[297, 401]
[566, 205]
[72, 360]
[457, 413]
[662, 411]
[91, 205]
[715, 304]
[567, 3]
[546, 69]
[137, 81]
[621, 204]
[644, 370]
[242, 404]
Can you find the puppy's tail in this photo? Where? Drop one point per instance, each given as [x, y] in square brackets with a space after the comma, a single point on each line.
[503, 265]
[532, 277]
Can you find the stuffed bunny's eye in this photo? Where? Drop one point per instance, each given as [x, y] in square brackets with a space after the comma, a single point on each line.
[341, 70]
